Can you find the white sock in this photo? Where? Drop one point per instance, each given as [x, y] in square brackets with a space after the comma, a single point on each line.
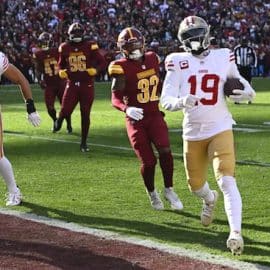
[7, 173]
[205, 193]
[232, 202]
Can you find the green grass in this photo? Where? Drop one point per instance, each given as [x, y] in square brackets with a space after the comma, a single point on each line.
[103, 188]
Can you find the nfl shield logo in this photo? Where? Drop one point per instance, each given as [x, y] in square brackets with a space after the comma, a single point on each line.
[183, 64]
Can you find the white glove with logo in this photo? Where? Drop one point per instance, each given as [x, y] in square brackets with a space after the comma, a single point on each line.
[34, 119]
[241, 95]
[188, 101]
[134, 113]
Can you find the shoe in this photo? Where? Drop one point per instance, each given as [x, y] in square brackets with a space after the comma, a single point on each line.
[207, 214]
[237, 103]
[173, 199]
[57, 125]
[69, 129]
[84, 148]
[249, 102]
[13, 199]
[235, 243]
[155, 200]
[54, 125]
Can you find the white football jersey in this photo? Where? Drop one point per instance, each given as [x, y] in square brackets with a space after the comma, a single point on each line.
[3, 63]
[204, 77]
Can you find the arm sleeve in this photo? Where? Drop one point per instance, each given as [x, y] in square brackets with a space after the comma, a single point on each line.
[171, 87]
[118, 101]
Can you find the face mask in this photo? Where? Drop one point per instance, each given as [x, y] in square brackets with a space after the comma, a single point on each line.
[136, 54]
[77, 39]
[195, 45]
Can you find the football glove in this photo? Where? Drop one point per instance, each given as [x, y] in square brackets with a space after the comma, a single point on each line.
[241, 95]
[188, 101]
[34, 119]
[134, 113]
[63, 74]
[91, 71]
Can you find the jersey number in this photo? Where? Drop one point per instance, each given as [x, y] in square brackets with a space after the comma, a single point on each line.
[148, 88]
[209, 84]
[77, 63]
[50, 67]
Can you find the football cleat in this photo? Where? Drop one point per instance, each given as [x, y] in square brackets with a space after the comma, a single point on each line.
[57, 124]
[69, 129]
[173, 199]
[84, 148]
[155, 200]
[235, 243]
[13, 199]
[207, 213]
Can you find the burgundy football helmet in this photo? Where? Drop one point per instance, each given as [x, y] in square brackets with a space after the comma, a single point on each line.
[75, 32]
[45, 41]
[131, 43]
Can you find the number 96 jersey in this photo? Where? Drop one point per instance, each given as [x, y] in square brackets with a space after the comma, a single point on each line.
[142, 81]
[204, 77]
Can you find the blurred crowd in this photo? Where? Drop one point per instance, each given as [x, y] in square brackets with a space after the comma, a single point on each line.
[23, 21]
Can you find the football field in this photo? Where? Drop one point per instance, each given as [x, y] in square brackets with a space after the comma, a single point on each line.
[103, 189]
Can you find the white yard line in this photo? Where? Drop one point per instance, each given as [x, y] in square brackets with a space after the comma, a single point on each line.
[123, 148]
[196, 255]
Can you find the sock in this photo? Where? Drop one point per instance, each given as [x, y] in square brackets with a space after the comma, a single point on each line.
[148, 174]
[232, 202]
[7, 173]
[166, 165]
[205, 193]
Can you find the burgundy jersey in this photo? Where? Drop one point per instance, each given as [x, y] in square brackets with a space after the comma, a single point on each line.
[143, 85]
[47, 62]
[76, 58]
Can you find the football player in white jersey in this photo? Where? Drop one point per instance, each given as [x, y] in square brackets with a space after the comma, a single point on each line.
[194, 83]
[14, 196]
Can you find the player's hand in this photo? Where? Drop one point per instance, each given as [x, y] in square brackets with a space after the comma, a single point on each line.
[92, 71]
[34, 119]
[135, 113]
[188, 101]
[241, 95]
[63, 74]
[42, 84]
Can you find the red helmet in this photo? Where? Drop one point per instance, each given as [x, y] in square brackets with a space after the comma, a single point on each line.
[45, 41]
[131, 42]
[76, 32]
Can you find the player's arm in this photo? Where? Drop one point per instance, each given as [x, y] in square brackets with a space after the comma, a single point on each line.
[15, 75]
[117, 88]
[62, 65]
[38, 72]
[240, 95]
[170, 96]
[100, 63]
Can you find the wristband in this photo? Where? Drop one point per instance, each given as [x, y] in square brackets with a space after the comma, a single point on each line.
[30, 107]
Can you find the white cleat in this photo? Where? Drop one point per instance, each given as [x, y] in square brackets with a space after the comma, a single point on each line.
[173, 199]
[14, 199]
[207, 214]
[235, 243]
[155, 200]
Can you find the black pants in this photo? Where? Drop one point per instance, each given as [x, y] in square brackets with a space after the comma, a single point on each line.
[245, 72]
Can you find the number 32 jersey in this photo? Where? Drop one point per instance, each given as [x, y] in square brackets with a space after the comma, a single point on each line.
[205, 78]
[142, 80]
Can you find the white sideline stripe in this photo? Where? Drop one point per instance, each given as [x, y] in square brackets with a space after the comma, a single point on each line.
[264, 164]
[210, 258]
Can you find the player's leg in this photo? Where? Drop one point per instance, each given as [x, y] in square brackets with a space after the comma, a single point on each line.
[49, 97]
[60, 94]
[196, 161]
[141, 145]
[69, 102]
[14, 196]
[221, 151]
[86, 98]
[158, 133]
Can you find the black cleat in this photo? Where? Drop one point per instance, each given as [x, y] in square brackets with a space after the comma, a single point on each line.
[57, 125]
[69, 129]
[84, 148]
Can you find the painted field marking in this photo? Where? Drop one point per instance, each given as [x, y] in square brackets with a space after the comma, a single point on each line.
[179, 251]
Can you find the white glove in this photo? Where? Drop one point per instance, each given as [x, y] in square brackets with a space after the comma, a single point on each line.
[34, 119]
[188, 101]
[134, 113]
[241, 95]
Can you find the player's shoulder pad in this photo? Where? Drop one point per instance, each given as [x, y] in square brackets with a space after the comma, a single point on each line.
[154, 55]
[171, 61]
[62, 46]
[94, 46]
[115, 68]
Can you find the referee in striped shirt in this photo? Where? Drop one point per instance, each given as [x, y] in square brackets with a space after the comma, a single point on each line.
[246, 59]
